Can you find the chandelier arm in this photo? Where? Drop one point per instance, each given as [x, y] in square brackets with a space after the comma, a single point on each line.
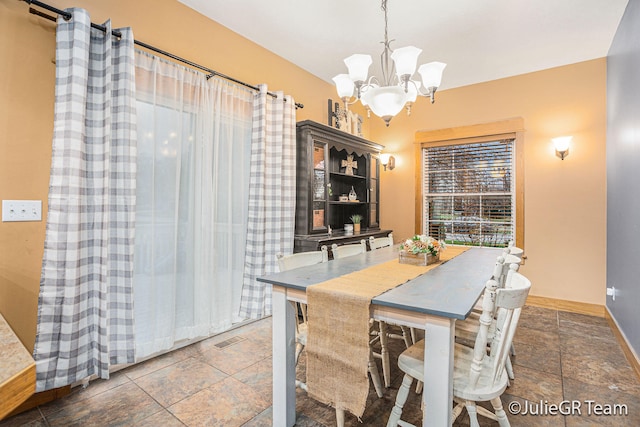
[429, 93]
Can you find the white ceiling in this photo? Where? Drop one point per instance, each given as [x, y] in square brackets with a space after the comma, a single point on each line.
[480, 40]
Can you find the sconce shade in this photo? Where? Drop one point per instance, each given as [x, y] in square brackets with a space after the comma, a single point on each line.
[344, 85]
[388, 161]
[562, 142]
[406, 60]
[562, 146]
[431, 74]
[358, 66]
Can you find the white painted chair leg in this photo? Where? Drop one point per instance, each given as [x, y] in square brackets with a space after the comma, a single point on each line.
[384, 351]
[501, 416]
[405, 336]
[509, 368]
[457, 410]
[299, 348]
[473, 413]
[340, 417]
[401, 398]
[375, 376]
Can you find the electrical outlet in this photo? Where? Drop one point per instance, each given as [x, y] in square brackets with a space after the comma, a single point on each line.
[21, 210]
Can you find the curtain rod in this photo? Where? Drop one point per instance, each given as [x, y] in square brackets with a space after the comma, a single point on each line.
[212, 73]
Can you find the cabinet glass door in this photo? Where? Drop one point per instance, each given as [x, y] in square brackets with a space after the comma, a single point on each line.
[319, 189]
[374, 214]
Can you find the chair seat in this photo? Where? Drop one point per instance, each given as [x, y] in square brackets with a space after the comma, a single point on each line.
[411, 361]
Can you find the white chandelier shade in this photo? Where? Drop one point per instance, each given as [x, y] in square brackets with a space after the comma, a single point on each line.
[358, 66]
[385, 101]
[405, 60]
[431, 74]
[344, 85]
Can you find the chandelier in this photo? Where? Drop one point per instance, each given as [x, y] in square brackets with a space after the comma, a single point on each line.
[388, 96]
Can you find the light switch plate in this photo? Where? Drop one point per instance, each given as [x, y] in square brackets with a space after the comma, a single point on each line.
[21, 210]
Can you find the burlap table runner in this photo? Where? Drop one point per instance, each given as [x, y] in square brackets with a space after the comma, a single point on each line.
[338, 340]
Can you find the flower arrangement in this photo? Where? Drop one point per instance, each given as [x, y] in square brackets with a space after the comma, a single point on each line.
[421, 243]
[356, 218]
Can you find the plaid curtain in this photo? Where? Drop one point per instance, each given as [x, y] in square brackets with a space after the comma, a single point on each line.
[272, 197]
[85, 306]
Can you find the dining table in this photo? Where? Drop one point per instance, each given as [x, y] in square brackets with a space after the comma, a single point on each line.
[433, 302]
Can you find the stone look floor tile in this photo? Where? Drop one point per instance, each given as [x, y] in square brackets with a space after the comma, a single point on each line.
[119, 406]
[560, 356]
[227, 403]
[33, 417]
[539, 318]
[539, 357]
[535, 385]
[244, 331]
[159, 362]
[235, 357]
[259, 377]
[517, 417]
[605, 396]
[163, 418]
[79, 394]
[180, 380]
[263, 419]
[536, 337]
[581, 318]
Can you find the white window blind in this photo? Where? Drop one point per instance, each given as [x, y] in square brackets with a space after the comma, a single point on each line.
[469, 193]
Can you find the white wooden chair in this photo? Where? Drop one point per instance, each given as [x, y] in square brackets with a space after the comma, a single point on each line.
[309, 258]
[302, 259]
[477, 376]
[511, 249]
[352, 249]
[289, 262]
[467, 330]
[382, 334]
[380, 242]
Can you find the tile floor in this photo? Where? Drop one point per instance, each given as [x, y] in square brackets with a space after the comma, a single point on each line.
[560, 357]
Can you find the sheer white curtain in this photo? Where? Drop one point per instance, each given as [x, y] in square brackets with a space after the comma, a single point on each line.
[193, 179]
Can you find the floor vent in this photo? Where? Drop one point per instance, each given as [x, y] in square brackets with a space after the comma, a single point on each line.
[230, 341]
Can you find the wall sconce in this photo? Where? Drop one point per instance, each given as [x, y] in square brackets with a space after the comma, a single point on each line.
[387, 160]
[562, 146]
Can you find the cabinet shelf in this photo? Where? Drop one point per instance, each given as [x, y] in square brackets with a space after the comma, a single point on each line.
[334, 202]
[347, 176]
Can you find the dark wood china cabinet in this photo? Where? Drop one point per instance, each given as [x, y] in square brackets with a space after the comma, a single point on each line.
[337, 177]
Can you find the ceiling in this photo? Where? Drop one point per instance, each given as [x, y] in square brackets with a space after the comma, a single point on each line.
[480, 40]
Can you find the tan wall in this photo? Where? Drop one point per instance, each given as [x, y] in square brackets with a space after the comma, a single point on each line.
[27, 76]
[564, 199]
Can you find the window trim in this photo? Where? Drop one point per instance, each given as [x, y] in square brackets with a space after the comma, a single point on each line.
[485, 132]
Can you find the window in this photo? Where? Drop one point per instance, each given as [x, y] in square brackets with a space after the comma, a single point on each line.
[471, 189]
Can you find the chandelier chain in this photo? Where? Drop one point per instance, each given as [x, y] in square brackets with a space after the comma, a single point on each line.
[387, 70]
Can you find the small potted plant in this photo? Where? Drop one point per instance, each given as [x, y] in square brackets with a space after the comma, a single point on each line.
[356, 222]
[421, 250]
